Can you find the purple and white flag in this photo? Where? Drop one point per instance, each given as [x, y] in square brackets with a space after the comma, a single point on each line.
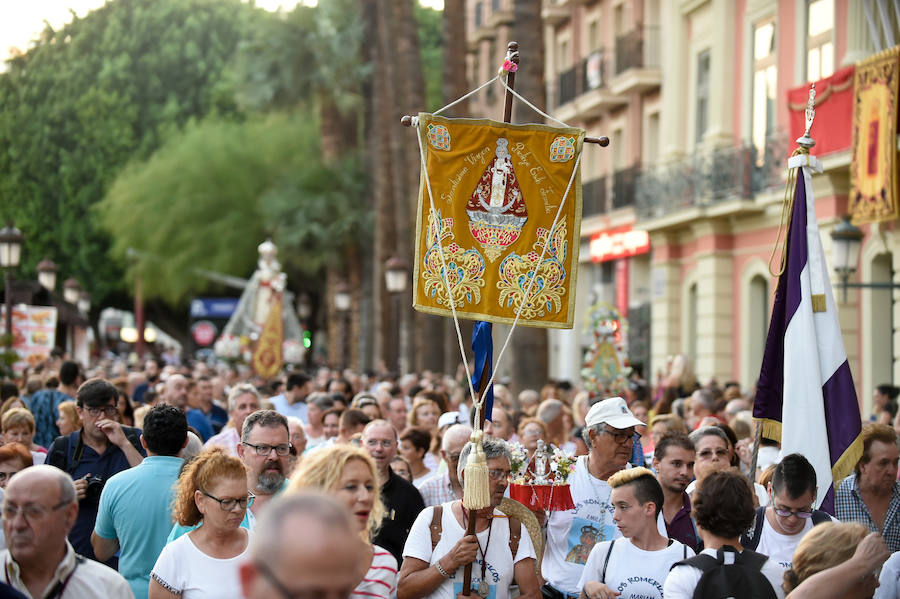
[805, 394]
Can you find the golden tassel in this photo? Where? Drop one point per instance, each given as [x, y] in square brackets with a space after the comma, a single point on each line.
[476, 487]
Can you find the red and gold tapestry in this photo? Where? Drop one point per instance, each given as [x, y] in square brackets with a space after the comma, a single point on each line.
[873, 168]
[497, 188]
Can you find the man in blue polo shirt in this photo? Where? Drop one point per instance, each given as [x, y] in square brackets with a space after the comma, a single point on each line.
[135, 507]
[92, 455]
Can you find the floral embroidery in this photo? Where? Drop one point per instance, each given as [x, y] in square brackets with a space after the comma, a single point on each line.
[562, 149]
[465, 268]
[439, 137]
[549, 284]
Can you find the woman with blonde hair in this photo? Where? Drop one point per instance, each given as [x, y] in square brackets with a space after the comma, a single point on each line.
[828, 545]
[212, 491]
[425, 413]
[349, 474]
[68, 421]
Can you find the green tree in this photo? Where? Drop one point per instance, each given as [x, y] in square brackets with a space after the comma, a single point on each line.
[86, 99]
[211, 193]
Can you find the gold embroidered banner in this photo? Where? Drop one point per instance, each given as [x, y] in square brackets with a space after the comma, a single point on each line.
[873, 168]
[497, 188]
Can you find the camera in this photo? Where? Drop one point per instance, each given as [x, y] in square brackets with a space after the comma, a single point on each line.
[95, 486]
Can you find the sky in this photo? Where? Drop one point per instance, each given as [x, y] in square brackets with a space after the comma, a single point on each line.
[22, 20]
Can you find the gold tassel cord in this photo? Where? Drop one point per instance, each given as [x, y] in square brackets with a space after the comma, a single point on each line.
[787, 209]
[476, 487]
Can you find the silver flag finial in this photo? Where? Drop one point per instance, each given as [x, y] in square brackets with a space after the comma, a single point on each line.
[806, 141]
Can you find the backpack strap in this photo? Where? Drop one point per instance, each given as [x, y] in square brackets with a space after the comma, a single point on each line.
[750, 558]
[750, 539]
[58, 455]
[701, 561]
[515, 534]
[606, 561]
[436, 527]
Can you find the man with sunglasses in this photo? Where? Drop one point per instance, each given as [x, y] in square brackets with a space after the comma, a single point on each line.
[778, 529]
[135, 508]
[103, 447]
[609, 435]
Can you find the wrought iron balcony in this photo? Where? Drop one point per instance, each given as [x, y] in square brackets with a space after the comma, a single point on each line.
[638, 49]
[566, 87]
[624, 182]
[593, 196]
[708, 178]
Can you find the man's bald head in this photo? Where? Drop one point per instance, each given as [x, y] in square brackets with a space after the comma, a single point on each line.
[175, 391]
[309, 544]
[456, 437]
[58, 484]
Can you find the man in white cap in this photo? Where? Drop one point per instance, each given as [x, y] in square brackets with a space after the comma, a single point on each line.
[609, 435]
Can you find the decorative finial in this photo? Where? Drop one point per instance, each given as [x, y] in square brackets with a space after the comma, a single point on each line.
[806, 141]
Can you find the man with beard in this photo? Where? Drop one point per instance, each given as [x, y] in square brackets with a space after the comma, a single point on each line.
[265, 450]
[673, 460]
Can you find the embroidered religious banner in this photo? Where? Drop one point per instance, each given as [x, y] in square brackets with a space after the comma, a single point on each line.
[873, 167]
[497, 188]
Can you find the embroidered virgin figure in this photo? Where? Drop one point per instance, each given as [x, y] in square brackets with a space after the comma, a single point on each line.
[496, 208]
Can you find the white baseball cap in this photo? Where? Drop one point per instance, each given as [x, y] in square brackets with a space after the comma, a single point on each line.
[448, 418]
[614, 412]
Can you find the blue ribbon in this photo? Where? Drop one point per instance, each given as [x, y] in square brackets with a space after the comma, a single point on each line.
[483, 347]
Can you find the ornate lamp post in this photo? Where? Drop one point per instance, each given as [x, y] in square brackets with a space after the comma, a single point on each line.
[396, 273]
[342, 302]
[72, 291]
[46, 270]
[10, 255]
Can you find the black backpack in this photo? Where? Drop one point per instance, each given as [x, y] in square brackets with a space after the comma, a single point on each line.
[742, 579]
[750, 539]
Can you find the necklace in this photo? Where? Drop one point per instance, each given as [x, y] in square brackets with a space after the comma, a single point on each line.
[483, 588]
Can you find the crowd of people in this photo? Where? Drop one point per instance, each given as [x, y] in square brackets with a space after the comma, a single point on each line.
[188, 480]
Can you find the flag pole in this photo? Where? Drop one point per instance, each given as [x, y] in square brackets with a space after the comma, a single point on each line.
[512, 55]
[806, 142]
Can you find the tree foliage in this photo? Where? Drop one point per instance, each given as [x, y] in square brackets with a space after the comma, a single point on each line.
[90, 97]
[211, 193]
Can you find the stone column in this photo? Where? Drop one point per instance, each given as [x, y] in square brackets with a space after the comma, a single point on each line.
[675, 81]
[665, 306]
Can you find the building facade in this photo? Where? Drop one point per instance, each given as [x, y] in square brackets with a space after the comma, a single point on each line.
[683, 209]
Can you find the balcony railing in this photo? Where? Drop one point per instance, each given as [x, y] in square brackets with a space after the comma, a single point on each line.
[709, 178]
[566, 88]
[624, 182]
[638, 49]
[593, 196]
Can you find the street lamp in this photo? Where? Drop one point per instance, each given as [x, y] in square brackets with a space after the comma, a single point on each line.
[46, 270]
[847, 239]
[84, 303]
[72, 291]
[342, 301]
[396, 273]
[10, 255]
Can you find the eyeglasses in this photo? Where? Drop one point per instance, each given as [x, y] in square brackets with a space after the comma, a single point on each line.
[109, 411]
[286, 593]
[498, 475]
[229, 503]
[621, 437]
[377, 443]
[802, 514]
[707, 454]
[453, 458]
[30, 511]
[263, 450]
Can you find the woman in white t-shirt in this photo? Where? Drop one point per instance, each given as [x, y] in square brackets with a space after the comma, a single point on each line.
[203, 564]
[349, 474]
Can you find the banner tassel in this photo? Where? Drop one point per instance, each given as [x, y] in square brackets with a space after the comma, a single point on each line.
[476, 487]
